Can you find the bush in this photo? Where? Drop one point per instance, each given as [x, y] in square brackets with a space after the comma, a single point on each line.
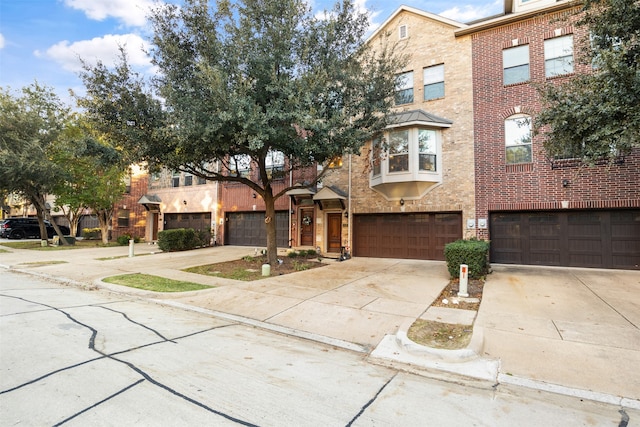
[123, 240]
[91, 233]
[179, 239]
[473, 252]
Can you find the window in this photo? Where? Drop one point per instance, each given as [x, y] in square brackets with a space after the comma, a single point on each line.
[200, 181]
[188, 180]
[427, 150]
[515, 65]
[376, 156]
[123, 217]
[127, 183]
[175, 179]
[517, 132]
[240, 165]
[403, 32]
[399, 151]
[404, 88]
[274, 162]
[558, 56]
[433, 82]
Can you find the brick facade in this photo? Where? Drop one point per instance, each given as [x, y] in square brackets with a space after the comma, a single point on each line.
[541, 184]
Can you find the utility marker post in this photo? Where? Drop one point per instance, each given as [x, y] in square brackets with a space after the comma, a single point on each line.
[464, 280]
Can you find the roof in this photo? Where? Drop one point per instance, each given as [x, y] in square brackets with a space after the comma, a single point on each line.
[149, 199]
[419, 12]
[417, 117]
[330, 193]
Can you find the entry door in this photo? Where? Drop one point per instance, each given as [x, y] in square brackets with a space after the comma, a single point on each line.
[334, 232]
[306, 227]
[154, 225]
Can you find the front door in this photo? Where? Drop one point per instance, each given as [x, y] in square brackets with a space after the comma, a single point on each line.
[334, 232]
[154, 225]
[306, 227]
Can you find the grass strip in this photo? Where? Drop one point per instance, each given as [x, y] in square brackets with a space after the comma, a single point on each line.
[148, 282]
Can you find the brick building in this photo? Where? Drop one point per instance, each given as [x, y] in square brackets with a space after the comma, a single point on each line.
[537, 210]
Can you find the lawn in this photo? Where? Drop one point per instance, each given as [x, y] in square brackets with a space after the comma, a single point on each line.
[148, 282]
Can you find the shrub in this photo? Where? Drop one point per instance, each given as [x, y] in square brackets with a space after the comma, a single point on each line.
[473, 252]
[293, 254]
[91, 233]
[123, 240]
[179, 239]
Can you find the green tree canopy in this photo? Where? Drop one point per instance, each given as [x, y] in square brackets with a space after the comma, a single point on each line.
[244, 81]
[30, 125]
[595, 116]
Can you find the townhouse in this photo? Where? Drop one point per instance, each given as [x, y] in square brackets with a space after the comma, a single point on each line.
[535, 209]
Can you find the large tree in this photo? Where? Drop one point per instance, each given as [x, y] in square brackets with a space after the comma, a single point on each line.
[245, 82]
[94, 178]
[595, 116]
[30, 126]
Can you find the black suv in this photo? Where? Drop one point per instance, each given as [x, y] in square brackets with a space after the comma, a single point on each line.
[19, 228]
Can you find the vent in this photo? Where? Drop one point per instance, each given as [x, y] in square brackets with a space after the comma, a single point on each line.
[403, 32]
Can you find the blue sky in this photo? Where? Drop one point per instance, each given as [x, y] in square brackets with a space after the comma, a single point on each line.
[43, 39]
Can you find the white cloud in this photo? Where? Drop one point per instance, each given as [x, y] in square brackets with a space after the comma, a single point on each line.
[469, 13]
[131, 12]
[104, 48]
[1, 41]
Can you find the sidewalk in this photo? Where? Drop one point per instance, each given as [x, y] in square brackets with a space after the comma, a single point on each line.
[571, 331]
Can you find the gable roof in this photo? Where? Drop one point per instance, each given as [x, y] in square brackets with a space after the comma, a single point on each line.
[419, 12]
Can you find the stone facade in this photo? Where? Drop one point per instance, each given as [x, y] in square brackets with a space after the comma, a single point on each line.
[430, 40]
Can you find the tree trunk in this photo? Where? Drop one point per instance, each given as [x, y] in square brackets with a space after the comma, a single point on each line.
[104, 219]
[270, 223]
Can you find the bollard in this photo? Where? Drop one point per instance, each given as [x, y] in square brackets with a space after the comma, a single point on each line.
[131, 248]
[464, 280]
[266, 270]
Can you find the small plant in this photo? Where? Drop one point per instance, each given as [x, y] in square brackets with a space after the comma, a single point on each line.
[248, 258]
[293, 254]
[300, 266]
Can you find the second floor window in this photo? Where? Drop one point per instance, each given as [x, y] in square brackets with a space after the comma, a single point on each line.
[404, 88]
[123, 217]
[558, 56]
[515, 65]
[433, 82]
[188, 180]
[175, 179]
[427, 150]
[517, 134]
[399, 151]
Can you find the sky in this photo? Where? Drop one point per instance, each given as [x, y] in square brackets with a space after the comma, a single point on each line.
[43, 40]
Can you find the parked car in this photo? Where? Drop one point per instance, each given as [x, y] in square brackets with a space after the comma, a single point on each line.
[19, 228]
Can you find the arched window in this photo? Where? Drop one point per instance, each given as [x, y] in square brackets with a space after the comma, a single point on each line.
[517, 135]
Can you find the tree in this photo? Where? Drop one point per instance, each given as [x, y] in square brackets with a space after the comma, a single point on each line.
[247, 82]
[30, 125]
[94, 175]
[595, 116]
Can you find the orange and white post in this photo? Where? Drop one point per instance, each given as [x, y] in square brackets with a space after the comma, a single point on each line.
[464, 281]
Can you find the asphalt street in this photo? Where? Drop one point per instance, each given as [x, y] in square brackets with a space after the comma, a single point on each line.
[71, 356]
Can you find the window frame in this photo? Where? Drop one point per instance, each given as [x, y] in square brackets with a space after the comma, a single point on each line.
[404, 89]
[511, 139]
[123, 220]
[552, 63]
[512, 66]
[432, 82]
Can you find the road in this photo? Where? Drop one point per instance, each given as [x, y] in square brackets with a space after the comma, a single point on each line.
[70, 356]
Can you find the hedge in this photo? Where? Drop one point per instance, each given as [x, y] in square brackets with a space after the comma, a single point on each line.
[473, 252]
[179, 239]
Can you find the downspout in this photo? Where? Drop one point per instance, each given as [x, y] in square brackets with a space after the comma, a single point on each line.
[217, 205]
[290, 205]
[349, 216]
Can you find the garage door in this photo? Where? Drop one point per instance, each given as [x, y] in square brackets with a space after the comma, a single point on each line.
[200, 221]
[249, 229]
[408, 236]
[602, 239]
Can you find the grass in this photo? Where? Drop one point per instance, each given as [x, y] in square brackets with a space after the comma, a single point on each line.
[148, 282]
[37, 263]
[36, 245]
[239, 273]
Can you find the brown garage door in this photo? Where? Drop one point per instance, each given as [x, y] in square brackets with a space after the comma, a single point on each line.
[249, 229]
[602, 239]
[199, 221]
[409, 236]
